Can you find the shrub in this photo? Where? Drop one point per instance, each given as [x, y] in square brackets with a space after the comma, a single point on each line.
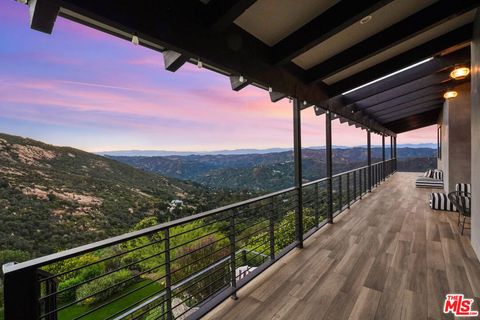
[109, 283]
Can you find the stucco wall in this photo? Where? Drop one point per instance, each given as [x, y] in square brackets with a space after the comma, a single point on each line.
[456, 139]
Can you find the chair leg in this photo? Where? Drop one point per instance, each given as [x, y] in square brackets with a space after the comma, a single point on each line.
[463, 224]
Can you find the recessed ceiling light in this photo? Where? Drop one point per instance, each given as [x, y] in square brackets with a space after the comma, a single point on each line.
[459, 73]
[365, 20]
[450, 94]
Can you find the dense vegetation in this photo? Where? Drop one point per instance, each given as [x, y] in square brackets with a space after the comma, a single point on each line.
[54, 198]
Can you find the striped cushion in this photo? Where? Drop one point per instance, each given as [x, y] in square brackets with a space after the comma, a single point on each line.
[423, 182]
[440, 201]
[465, 187]
[428, 173]
[437, 174]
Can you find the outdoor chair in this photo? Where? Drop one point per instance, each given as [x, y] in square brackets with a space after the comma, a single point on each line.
[431, 179]
[461, 200]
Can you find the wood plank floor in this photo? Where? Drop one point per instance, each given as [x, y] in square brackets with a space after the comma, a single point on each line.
[388, 257]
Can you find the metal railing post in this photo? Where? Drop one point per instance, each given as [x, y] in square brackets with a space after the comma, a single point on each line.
[395, 153]
[369, 159]
[271, 229]
[317, 205]
[383, 156]
[297, 155]
[21, 294]
[365, 180]
[233, 257]
[328, 132]
[340, 200]
[348, 190]
[354, 185]
[168, 275]
[360, 185]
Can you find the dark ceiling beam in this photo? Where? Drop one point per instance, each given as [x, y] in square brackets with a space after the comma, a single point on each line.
[238, 82]
[404, 98]
[276, 96]
[411, 112]
[43, 14]
[431, 48]
[174, 25]
[319, 111]
[435, 84]
[419, 72]
[359, 117]
[413, 25]
[380, 112]
[173, 60]
[222, 13]
[394, 112]
[407, 88]
[415, 122]
[388, 95]
[332, 21]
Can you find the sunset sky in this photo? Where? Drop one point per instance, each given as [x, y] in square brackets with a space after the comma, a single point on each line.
[86, 89]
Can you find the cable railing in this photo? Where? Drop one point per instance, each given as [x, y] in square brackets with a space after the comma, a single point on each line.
[183, 268]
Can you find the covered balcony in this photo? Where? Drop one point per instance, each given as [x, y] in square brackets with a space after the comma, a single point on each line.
[359, 244]
[388, 257]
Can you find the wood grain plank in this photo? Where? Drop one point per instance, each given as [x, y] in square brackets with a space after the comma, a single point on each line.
[366, 305]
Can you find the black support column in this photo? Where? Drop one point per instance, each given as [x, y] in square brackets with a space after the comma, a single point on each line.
[395, 152]
[297, 156]
[369, 159]
[391, 147]
[383, 156]
[328, 135]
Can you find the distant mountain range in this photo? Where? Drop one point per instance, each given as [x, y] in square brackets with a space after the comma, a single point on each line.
[163, 153]
[269, 171]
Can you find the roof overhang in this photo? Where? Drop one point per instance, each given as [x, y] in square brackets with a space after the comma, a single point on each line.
[317, 52]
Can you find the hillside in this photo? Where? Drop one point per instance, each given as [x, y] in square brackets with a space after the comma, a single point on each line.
[53, 198]
[271, 171]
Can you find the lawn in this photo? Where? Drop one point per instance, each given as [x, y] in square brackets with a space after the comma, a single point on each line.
[77, 310]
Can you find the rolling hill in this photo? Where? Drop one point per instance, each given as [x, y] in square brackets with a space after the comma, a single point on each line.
[53, 198]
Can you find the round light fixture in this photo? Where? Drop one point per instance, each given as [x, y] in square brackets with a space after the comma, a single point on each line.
[459, 73]
[365, 20]
[450, 94]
